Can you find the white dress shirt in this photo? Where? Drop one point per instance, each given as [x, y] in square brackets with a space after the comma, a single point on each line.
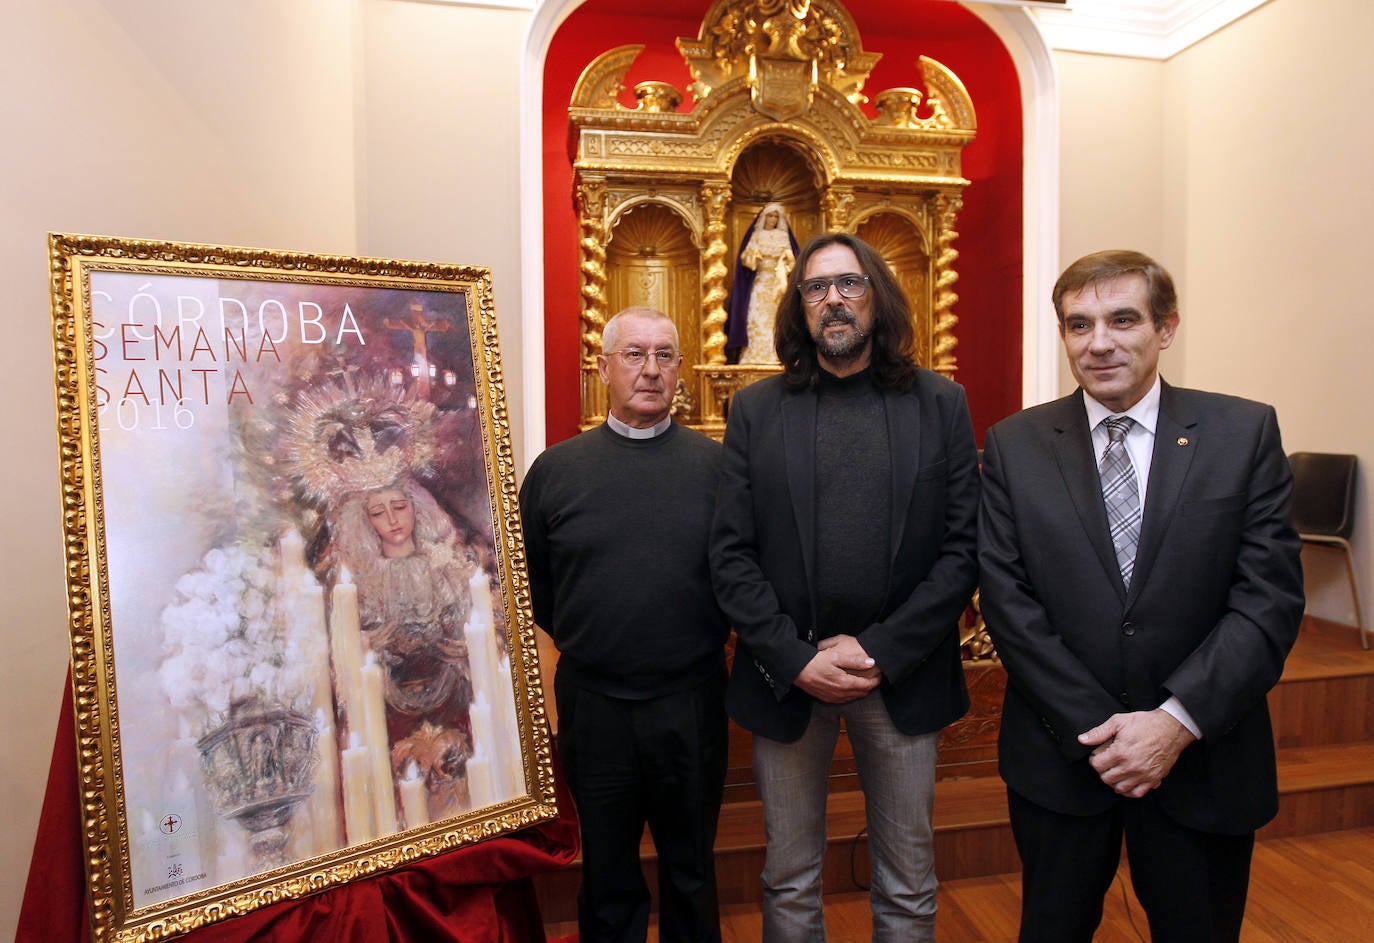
[1140, 445]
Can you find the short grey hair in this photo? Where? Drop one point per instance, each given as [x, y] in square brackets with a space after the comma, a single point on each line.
[610, 333]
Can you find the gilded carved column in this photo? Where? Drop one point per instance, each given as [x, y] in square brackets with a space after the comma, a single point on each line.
[839, 204]
[715, 199]
[943, 318]
[591, 206]
[591, 245]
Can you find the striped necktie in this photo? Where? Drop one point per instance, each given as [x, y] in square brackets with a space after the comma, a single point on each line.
[1121, 492]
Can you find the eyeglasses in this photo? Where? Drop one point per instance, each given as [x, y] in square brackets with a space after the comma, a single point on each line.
[636, 359]
[849, 286]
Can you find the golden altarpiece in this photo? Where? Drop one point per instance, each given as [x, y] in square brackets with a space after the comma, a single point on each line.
[665, 196]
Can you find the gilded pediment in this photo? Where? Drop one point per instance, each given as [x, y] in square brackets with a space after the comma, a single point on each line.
[741, 39]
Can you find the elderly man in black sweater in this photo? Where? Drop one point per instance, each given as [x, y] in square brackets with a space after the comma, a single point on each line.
[617, 521]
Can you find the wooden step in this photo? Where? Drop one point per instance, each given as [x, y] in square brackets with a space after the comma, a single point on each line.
[1322, 788]
[1324, 725]
[1326, 695]
[1327, 650]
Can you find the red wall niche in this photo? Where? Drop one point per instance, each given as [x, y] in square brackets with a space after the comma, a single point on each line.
[990, 246]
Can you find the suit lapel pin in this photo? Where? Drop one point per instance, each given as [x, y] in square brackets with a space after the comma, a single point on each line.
[1183, 440]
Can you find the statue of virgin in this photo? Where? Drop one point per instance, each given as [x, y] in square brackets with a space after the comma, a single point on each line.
[763, 272]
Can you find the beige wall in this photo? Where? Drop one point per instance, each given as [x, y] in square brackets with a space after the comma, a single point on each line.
[379, 127]
[196, 121]
[440, 94]
[1270, 207]
[1112, 146]
[1239, 163]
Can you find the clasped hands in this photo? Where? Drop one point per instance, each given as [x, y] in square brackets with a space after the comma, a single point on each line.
[840, 672]
[1135, 751]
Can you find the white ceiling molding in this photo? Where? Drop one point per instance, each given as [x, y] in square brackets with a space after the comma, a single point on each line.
[1144, 29]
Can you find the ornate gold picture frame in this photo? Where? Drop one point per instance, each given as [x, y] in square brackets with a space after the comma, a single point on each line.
[302, 648]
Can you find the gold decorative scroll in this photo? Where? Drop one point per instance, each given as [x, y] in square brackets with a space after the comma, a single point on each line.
[602, 80]
[942, 350]
[734, 36]
[592, 248]
[715, 196]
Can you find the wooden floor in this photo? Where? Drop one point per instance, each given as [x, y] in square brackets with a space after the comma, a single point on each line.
[1313, 874]
[1314, 889]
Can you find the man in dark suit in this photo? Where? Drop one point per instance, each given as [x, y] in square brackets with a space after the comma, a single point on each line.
[843, 553]
[1140, 578]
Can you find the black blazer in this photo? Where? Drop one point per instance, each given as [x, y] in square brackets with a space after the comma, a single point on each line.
[763, 548]
[1214, 605]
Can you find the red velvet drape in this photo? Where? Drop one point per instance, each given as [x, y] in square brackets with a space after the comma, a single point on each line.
[479, 894]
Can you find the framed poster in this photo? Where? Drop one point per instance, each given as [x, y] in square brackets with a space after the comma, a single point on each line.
[302, 648]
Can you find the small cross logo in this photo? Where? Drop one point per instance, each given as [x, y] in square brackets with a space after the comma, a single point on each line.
[170, 823]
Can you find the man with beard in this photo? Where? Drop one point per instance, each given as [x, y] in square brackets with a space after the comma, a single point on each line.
[843, 551]
[616, 527]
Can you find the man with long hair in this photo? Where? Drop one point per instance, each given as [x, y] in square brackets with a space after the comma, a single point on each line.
[843, 551]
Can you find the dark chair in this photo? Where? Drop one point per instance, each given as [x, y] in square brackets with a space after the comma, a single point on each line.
[1324, 509]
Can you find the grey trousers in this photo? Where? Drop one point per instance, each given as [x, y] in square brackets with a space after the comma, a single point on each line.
[897, 773]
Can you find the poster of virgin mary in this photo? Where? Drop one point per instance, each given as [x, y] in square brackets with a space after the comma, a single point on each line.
[294, 505]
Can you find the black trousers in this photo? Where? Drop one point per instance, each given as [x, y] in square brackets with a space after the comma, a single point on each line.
[1192, 884]
[662, 762]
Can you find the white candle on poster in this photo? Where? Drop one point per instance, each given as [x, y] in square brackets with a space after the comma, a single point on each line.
[325, 815]
[515, 766]
[487, 750]
[504, 746]
[310, 605]
[479, 719]
[479, 588]
[491, 683]
[481, 784]
[309, 618]
[346, 643]
[357, 791]
[379, 745]
[414, 797]
[484, 658]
